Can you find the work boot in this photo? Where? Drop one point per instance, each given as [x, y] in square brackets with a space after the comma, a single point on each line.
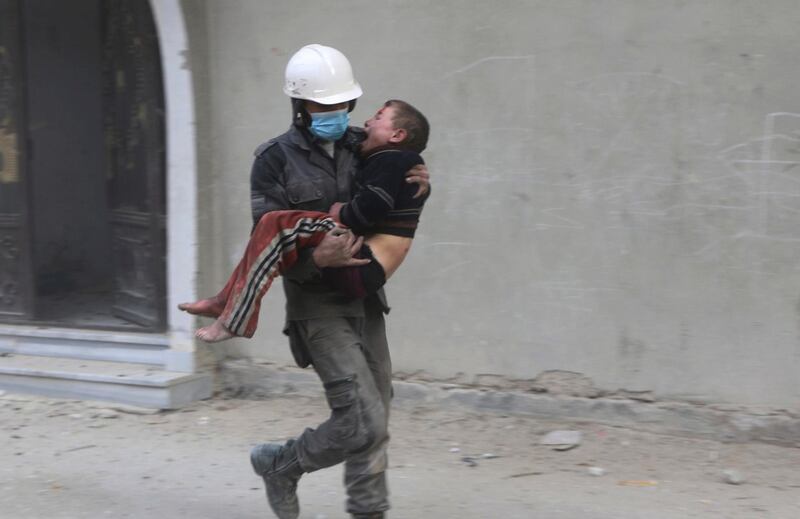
[279, 468]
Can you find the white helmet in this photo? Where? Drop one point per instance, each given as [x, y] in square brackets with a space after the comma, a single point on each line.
[321, 74]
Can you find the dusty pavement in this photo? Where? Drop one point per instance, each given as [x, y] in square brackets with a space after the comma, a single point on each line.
[67, 459]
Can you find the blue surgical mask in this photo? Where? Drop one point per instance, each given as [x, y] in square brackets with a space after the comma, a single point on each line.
[330, 125]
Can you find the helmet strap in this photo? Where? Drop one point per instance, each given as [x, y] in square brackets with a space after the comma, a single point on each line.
[300, 116]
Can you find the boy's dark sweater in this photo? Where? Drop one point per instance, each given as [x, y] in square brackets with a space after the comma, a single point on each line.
[384, 202]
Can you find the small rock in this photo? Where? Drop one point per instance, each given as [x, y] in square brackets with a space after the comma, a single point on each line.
[489, 456]
[597, 471]
[455, 449]
[470, 461]
[732, 477]
[562, 440]
[76, 416]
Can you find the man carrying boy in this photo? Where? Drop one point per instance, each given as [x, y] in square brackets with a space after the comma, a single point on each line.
[384, 208]
[311, 167]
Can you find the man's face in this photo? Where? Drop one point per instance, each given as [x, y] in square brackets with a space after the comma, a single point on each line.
[381, 131]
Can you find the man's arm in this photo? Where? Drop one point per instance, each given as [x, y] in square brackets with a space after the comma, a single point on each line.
[267, 192]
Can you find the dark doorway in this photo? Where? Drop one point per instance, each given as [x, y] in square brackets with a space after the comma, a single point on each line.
[89, 190]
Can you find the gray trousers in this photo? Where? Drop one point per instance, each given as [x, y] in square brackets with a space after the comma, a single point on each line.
[351, 357]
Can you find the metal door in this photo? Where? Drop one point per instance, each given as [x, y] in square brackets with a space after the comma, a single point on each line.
[16, 272]
[134, 133]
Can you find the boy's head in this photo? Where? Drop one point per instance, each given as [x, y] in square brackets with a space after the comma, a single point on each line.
[396, 125]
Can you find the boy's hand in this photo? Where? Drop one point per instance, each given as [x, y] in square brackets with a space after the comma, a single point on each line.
[337, 249]
[419, 175]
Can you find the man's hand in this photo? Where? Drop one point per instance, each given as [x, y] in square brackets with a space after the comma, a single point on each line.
[337, 249]
[419, 175]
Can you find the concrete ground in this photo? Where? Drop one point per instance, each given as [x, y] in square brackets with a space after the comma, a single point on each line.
[66, 459]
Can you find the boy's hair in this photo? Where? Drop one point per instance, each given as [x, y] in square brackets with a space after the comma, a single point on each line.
[408, 118]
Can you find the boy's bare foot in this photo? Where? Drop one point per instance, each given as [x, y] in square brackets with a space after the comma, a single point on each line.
[215, 332]
[210, 307]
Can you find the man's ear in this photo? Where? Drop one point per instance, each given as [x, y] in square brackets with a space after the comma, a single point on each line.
[398, 136]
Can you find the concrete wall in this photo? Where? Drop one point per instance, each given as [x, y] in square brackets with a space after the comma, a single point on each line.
[615, 182]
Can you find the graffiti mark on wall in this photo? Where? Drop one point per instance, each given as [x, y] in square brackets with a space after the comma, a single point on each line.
[770, 167]
[481, 61]
[780, 142]
[614, 119]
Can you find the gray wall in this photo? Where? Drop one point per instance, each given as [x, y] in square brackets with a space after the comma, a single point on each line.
[616, 183]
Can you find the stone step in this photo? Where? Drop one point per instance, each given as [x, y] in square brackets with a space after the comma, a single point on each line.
[142, 348]
[135, 384]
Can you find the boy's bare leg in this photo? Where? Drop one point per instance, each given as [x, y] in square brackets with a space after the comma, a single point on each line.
[209, 307]
[215, 332]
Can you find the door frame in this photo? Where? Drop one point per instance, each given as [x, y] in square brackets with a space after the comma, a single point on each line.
[176, 348]
[181, 171]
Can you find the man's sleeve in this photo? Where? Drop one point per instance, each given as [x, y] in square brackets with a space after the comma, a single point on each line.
[267, 193]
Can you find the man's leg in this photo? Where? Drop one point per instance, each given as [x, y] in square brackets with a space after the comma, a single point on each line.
[365, 472]
[356, 430]
[356, 423]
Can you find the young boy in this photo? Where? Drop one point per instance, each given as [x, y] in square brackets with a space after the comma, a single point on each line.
[384, 208]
